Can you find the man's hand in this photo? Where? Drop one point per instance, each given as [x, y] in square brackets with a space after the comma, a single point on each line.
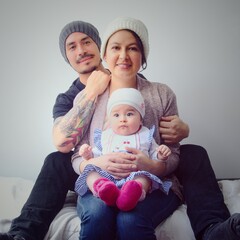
[97, 83]
[173, 129]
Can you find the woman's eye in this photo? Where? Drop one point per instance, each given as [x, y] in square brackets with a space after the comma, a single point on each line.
[133, 49]
[115, 47]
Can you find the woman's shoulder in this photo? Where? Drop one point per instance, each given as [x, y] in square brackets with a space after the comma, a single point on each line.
[146, 85]
[145, 82]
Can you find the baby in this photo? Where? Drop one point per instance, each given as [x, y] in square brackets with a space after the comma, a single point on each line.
[125, 112]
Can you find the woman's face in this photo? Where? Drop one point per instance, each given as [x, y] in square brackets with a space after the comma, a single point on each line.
[123, 54]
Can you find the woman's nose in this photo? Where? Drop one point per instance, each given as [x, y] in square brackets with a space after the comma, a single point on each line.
[123, 54]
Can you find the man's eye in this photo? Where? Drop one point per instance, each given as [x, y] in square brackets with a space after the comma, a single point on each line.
[72, 47]
[87, 42]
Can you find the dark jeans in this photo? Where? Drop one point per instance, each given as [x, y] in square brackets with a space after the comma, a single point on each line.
[202, 194]
[47, 197]
[137, 224]
[205, 203]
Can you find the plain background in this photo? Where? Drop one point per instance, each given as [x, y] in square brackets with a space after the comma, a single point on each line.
[194, 48]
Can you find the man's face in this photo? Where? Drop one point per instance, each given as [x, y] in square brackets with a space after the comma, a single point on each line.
[82, 53]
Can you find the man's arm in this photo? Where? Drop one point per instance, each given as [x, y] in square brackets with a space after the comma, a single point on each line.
[173, 129]
[69, 129]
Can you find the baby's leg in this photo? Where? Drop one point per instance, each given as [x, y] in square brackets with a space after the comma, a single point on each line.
[146, 185]
[103, 188]
[91, 179]
[132, 192]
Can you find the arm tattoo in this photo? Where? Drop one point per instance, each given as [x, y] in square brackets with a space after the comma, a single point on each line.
[75, 123]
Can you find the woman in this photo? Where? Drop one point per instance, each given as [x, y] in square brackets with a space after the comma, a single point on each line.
[125, 50]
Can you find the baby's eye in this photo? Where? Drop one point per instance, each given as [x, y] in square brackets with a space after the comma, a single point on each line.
[116, 115]
[129, 114]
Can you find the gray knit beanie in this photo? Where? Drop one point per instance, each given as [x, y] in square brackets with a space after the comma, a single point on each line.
[77, 26]
[128, 23]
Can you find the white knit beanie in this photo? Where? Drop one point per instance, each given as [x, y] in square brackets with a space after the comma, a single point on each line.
[128, 96]
[132, 24]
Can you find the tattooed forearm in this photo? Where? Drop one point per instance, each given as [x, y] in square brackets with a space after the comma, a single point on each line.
[74, 124]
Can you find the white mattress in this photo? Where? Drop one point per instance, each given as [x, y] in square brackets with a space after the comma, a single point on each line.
[66, 225]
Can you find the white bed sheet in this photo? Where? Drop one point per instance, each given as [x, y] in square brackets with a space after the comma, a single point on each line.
[66, 225]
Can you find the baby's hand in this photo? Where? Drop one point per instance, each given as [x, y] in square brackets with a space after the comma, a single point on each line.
[163, 152]
[85, 151]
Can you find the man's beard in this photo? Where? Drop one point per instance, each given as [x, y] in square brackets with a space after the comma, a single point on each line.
[90, 70]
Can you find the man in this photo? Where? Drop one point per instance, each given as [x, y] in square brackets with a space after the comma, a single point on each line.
[79, 44]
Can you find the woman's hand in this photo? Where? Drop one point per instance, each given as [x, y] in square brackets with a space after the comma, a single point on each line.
[144, 163]
[120, 165]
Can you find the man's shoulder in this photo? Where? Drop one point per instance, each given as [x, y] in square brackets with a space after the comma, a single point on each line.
[64, 101]
[76, 86]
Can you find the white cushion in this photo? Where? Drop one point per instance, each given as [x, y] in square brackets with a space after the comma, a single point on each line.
[66, 225]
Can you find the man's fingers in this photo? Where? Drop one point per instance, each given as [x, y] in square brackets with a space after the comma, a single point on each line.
[168, 118]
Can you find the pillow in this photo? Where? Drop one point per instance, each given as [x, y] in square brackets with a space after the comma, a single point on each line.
[14, 193]
[231, 194]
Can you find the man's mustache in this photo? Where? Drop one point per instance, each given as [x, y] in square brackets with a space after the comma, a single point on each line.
[80, 58]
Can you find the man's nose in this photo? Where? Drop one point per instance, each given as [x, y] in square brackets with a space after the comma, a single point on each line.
[81, 49]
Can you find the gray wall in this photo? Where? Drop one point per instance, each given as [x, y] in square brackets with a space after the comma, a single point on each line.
[194, 48]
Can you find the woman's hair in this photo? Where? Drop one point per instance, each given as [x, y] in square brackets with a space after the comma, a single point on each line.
[140, 45]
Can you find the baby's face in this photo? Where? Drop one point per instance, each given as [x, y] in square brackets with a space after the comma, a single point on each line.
[125, 120]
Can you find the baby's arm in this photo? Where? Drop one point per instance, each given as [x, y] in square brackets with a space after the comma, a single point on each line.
[85, 151]
[163, 152]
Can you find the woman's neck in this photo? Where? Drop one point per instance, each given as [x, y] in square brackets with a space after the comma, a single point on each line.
[117, 83]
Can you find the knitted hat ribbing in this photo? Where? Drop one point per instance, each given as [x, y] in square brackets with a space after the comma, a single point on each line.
[77, 26]
[128, 96]
[132, 24]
